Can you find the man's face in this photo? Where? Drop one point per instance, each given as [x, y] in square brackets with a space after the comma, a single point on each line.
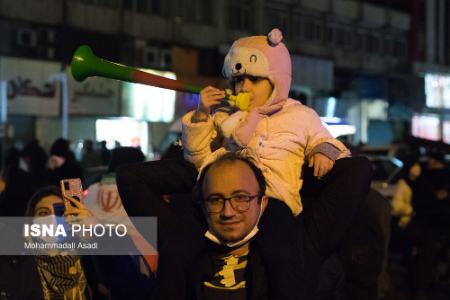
[226, 180]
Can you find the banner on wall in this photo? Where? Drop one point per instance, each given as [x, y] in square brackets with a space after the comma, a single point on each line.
[30, 88]
[94, 96]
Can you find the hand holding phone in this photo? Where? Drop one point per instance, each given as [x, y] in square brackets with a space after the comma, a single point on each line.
[72, 191]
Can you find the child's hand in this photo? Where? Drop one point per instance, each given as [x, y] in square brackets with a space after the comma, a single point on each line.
[322, 164]
[209, 97]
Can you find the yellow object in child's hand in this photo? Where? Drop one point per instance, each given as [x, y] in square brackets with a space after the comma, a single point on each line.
[241, 100]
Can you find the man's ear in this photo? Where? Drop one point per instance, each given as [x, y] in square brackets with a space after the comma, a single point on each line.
[264, 202]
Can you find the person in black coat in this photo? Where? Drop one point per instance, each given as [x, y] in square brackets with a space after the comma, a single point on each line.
[16, 186]
[430, 227]
[185, 253]
[35, 159]
[62, 162]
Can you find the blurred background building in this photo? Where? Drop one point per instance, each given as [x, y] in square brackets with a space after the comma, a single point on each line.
[382, 66]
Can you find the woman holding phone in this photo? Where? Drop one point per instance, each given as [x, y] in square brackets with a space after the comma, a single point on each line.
[70, 277]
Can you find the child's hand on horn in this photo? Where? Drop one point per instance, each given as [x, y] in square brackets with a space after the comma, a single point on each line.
[209, 97]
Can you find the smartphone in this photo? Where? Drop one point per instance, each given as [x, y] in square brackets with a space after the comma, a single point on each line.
[72, 188]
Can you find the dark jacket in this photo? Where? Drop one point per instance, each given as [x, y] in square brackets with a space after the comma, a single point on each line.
[428, 208]
[69, 169]
[184, 252]
[184, 269]
[18, 189]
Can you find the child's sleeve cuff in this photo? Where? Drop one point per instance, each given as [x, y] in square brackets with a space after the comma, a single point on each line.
[327, 149]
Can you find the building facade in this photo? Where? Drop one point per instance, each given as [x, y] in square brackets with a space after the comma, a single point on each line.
[348, 50]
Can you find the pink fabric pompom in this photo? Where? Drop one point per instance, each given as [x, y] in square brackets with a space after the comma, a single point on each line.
[275, 36]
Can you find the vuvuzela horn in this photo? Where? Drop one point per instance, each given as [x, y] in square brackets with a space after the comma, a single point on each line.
[85, 64]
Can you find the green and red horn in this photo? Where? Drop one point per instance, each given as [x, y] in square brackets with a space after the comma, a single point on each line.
[85, 64]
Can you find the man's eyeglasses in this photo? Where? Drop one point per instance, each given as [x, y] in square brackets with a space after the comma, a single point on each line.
[240, 203]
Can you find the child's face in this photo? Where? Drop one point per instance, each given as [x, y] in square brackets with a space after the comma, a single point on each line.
[259, 89]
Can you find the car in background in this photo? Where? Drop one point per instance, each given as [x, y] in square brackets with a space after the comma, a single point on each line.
[386, 173]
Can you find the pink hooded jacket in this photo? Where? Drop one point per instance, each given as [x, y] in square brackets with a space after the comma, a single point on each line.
[280, 142]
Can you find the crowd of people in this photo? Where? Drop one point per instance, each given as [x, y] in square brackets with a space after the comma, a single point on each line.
[421, 227]
[30, 168]
[30, 186]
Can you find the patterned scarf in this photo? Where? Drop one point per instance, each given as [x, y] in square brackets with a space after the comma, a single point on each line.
[62, 277]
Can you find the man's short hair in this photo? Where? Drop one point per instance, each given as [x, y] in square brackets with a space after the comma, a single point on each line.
[226, 159]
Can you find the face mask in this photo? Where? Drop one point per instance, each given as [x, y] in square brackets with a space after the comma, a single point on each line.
[210, 236]
[55, 221]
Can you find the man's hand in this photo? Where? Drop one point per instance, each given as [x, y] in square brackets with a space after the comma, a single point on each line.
[322, 164]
